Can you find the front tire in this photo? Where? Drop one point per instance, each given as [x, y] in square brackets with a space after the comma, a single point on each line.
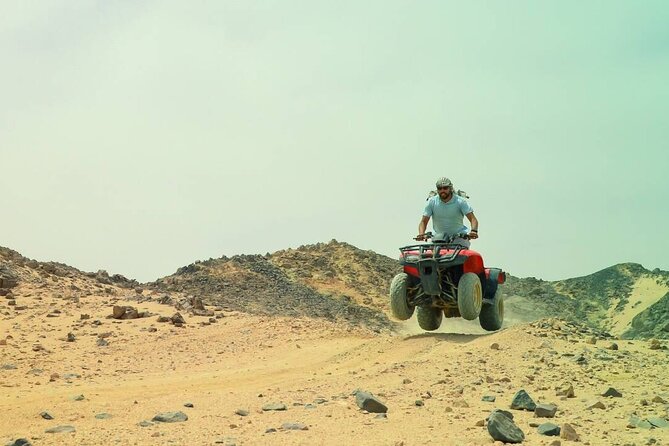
[399, 305]
[492, 315]
[470, 296]
[429, 319]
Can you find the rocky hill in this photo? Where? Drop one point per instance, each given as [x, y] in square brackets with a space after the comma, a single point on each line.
[16, 269]
[626, 300]
[335, 281]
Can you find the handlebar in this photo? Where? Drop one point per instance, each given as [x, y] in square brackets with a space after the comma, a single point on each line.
[449, 239]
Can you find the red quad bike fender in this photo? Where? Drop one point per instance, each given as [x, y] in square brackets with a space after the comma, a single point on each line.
[472, 264]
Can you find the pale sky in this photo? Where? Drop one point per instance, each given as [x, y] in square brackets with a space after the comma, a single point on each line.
[141, 136]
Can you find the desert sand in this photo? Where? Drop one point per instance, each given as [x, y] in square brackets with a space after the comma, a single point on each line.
[225, 374]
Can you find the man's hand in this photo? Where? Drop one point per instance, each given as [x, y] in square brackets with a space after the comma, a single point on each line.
[420, 237]
[473, 235]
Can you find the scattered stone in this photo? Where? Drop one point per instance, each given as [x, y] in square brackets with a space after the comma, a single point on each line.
[78, 398]
[294, 427]
[489, 398]
[170, 417]
[545, 410]
[636, 422]
[406, 381]
[71, 337]
[83, 317]
[46, 415]
[188, 405]
[613, 346]
[270, 430]
[125, 312]
[595, 404]
[523, 401]
[567, 390]
[20, 442]
[655, 344]
[549, 429]
[60, 429]
[103, 416]
[242, 412]
[659, 399]
[152, 329]
[367, 401]
[145, 423]
[163, 319]
[567, 432]
[506, 413]
[502, 428]
[612, 392]
[591, 340]
[494, 346]
[8, 367]
[101, 342]
[177, 319]
[274, 406]
[658, 422]
[419, 403]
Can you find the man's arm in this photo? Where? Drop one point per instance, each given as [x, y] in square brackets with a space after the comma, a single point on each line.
[422, 226]
[475, 225]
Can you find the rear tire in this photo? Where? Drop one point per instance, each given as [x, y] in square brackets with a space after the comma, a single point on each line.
[470, 296]
[492, 315]
[429, 318]
[399, 305]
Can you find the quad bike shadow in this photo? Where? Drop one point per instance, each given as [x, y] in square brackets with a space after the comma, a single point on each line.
[444, 278]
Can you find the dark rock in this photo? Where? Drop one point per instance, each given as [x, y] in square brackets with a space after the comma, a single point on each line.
[489, 398]
[242, 412]
[103, 416]
[188, 405]
[367, 401]
[502, 428]
[612, 392]
[20, 442]
[177, 318]
[505, 413]
[549, 429]
[170, 417]
[523, 401]
[71, 337]
[78, 398]
[658, 422]
[46, 415]
[145, 423]
[545, 410]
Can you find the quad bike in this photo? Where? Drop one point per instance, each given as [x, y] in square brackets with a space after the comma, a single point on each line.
[445, 278]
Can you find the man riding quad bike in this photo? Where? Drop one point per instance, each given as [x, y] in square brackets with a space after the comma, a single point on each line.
[446, 278]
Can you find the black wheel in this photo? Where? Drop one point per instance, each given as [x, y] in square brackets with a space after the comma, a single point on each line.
[429, 318]
[492, 315]
[399, 306]
[470, 296]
